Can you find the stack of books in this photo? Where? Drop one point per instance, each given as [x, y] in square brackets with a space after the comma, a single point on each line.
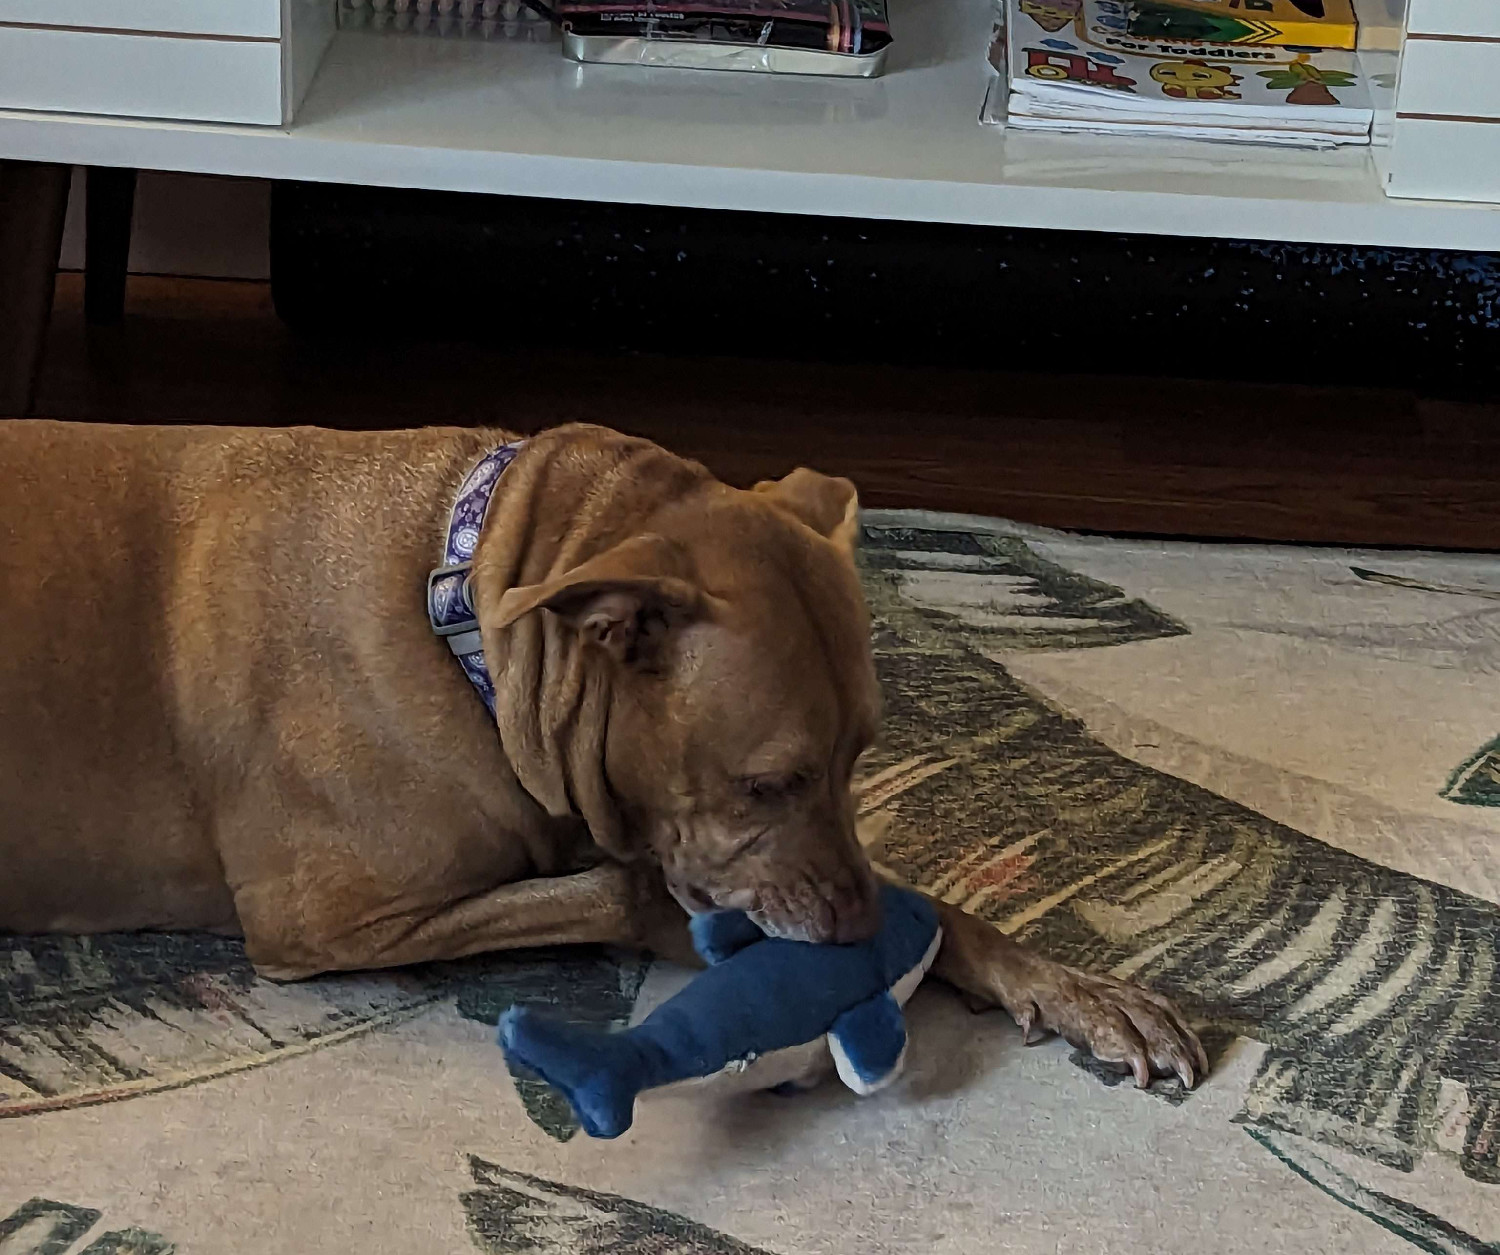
[1259, 71]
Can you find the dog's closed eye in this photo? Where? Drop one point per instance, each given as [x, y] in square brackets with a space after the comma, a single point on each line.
[769, 788]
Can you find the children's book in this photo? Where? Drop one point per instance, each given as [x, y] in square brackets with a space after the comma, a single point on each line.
[1073, 65]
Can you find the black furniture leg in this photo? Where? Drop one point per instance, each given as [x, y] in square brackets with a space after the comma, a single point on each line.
[33, 203]
[111, 207]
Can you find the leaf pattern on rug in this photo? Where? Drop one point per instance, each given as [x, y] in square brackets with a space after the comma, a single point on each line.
[100, 1018]
[40, 1226]
[1420, 1227]
[1379, 993]
[1477, 780]
[511, 1213]
[85, 1020]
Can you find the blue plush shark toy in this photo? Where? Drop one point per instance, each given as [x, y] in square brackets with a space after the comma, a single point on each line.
[759, 995]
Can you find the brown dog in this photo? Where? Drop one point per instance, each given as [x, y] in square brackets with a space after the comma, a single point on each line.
[222, 707]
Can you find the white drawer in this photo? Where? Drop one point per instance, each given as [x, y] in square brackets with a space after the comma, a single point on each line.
[1454, 78]
[144, 76]
[1455, 17]
[1444, 159]
[256, 19]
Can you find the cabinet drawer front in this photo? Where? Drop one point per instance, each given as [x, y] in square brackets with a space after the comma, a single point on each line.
[1455, 17]
[1453, 78]
[251, 19]
[142, 76]
[1445, 160]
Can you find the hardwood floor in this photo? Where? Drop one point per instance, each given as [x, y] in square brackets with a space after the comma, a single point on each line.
[1135, 455]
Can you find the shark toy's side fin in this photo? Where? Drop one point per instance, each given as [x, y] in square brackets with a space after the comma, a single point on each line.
[721, 935]
[869, 1044]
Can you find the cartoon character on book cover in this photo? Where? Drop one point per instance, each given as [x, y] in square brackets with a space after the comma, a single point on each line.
[1052, 15]
[1195, 80]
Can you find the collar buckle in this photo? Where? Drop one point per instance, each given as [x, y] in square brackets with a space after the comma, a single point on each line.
[449, 608]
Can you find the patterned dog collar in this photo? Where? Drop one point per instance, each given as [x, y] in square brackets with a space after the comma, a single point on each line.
[450, 607]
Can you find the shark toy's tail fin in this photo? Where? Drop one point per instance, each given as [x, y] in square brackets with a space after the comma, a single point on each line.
[599, 1073]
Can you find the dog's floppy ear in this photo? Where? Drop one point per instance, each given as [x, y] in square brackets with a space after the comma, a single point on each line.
[625, 601]
[827, 504]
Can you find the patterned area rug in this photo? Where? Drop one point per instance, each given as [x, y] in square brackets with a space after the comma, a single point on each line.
[1264, 780]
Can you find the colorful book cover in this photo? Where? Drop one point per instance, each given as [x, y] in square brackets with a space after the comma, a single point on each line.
[1197, 84]
[1105, 25]
[1306, 23]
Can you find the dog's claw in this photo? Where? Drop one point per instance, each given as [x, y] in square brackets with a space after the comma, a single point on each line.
[1026, 1019]
[1124, 1025]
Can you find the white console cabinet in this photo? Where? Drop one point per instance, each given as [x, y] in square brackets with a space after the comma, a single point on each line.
[222, 87]
[247, 61]
[1446, 138]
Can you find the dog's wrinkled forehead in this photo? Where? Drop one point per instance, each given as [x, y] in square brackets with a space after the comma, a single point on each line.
[783, 665]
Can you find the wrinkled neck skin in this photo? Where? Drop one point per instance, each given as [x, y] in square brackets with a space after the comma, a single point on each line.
[570, 495]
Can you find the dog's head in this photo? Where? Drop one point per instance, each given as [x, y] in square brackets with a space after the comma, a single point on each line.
[741, 690]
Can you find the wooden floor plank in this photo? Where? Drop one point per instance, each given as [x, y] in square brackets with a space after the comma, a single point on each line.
[1139, 455]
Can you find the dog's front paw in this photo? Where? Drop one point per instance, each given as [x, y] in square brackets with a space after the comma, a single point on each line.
[1118, 1023]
